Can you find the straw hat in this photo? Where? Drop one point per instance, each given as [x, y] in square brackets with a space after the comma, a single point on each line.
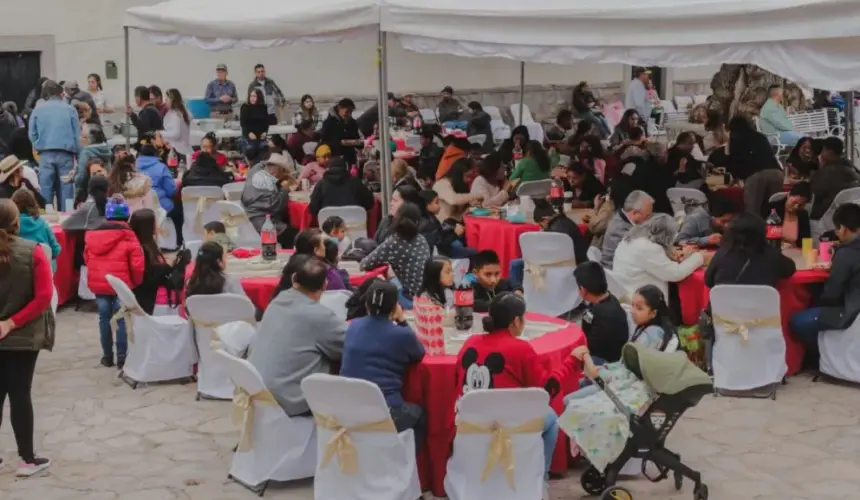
[280, 160]
[9, 166]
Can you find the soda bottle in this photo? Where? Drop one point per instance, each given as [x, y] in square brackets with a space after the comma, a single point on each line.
[774, 229]
[172, 162]
[464, 301]
[269, 240]
[556, 195]
[417, 123]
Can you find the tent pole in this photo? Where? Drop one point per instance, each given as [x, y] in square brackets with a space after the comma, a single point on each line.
[849, 126]
[127, 89]
[385, 151]
[522, 90]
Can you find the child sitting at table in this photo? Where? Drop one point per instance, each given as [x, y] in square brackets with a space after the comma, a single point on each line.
[312, 242]
[217, 232]
[332, 258]
[32, 227]
[705, 229]
[604, 322]
[487, 270]
[208, 277]
[335, 228]
[501, 360]
[452, 240]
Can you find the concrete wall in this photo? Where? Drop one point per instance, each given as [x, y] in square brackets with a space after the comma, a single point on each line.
[86, 33]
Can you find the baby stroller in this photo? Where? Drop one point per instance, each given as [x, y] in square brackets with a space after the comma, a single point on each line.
[680, 385]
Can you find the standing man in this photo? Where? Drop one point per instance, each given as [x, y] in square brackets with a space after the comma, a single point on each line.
[450, 110]
[274, 97]
[148, 119]
[774, 120]
[157, 98]
[340, 132]
[56, 135]
[73, 92]
[221, 94]
[637, 94]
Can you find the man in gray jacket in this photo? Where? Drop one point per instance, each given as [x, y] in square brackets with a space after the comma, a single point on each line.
[271, 92]
[637, 209]
[705, 229]
[297, 337]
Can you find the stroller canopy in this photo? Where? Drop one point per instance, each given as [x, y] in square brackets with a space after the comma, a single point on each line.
[665, 373]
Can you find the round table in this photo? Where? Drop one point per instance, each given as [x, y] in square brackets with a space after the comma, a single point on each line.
[501, 236]
[793, 298]
[432, 385]
[66, 277]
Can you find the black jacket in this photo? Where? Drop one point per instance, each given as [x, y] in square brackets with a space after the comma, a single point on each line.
[154, 276]
[334, 131]
[767, 268]
[691, 171]
[147, 120]
[428, 161]
[7, 190]
[606, 329]
[429, 227]
[338, 189]
[483, 296]
[804, 228]
[205, 176]
[480, 123]
[590, 189]
[750, 153]
[254, 119]
[8, 126]
[828, 181]
[562, 224]
[840, 298]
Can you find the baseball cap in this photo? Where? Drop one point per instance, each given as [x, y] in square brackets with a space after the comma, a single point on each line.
[70, 84]
[447, 90]
[221, 67]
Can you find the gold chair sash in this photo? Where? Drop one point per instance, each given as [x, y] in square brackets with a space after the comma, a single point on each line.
[242, 414]
[203, 202]
[742, 327]
[215, 340]
[341, 443]
[231, 222]
[501, 450]
[356, 226]
[126, 313]
[537, 272]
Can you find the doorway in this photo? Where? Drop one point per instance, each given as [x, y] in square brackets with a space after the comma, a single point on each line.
[19, 74]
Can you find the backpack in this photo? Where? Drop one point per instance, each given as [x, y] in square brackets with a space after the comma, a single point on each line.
[175, 279]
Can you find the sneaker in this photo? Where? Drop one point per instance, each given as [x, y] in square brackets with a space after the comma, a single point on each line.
[120, 362]
[37, 465]
[107, 361]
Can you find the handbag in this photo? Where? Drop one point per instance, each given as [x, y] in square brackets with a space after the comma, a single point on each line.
[706, 318]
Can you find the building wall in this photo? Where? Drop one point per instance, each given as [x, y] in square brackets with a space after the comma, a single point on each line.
[87, 33]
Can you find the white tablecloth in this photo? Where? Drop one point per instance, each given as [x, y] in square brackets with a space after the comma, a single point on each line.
[223, 133]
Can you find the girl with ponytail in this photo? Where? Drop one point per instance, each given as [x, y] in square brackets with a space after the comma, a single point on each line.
[208, 277]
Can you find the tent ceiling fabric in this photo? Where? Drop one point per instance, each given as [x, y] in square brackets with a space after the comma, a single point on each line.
[813, 42]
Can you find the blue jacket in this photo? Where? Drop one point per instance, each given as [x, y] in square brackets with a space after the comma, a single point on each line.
[162, 182]
[380, 351]
[102, 151]
[54, 126]
[36, 229]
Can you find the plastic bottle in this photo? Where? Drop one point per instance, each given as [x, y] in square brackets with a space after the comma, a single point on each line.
[774, 229]
[556, 195]
[269, 240]
[173, 163]
[464, 302]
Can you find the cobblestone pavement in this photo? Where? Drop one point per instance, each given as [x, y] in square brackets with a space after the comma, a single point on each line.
[109, 442]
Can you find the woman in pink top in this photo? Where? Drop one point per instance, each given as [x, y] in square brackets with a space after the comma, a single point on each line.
[314, 170]
[494, 189]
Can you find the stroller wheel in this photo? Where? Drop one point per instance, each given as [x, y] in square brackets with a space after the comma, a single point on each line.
[616, 493]
[593, 481]
[701, 492]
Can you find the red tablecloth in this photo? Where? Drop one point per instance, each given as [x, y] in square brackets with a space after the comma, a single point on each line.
[301, 218]
[484, 233]
[65, 277]
[793, 297]
[735, 195]
[432, 385]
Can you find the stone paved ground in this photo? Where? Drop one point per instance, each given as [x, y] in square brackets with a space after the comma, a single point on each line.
[109, 442]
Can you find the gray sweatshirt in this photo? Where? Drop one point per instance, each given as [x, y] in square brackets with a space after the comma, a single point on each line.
[617, 229]
[696, 228]
[297, 337]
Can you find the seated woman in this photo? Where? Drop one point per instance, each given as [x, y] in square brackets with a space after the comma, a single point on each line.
[589, 153]
[312, 242]
[401, 175]
[265, 195]
[795, 218]
[209, 145]
[745, 258]
[95, 166]
[91, 213]
[31, 226]
[379, 348]
[305, 133]
[513, 148]
[519, 366]
[405, 251]
[629, 121]
[686, 168]
[490, 183]
[254, 119]
[453, 191]
[12, 179]
[135, 187]
[584, 185]
[338, 189]
[208, 277]
[644, 256]
[802, 162]
[205, 172]
[315, 170]
[535, 165]
[400, 195]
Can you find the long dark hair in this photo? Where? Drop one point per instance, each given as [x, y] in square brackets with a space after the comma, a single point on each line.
[406, 221]
[97, 78]
[746, 234]
[535, 150]
[656, 301]
[503, 310]
[261, 99]
[178, 105]
[143, 223]
[207, 278]
[279, 145]
[295, 263]
[98, 188]
[457, 173]
[431, 284]
[121, 172]
[310, 114]
[9, 225]
[307, 242]
[624, 124]
[489, 168]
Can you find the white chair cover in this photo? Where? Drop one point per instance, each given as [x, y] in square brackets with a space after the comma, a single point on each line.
[535, 189]
[509, 408]
[336, 301]
[282, 448]
[527, 114]
[428, 115]
[840, 352]
[84, 292]
[594, 254]
[494, 113]
[167, 238]
[354, 216]
[630, 324]
[193, 247]
[759, 361]
[308, 148]
[683, 102]
[386, 460]
[678, 196]
[213, 318]
[615, 287]
[553, 252]
[239, 228]
[501, 131]
[850, 195]
[669, 106]
[55, 298]
[160, 348]
[197, 203]
[233, 191]
[478, 139]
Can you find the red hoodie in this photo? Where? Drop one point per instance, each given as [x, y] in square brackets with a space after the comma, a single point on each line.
[498, 360]
[112, 249]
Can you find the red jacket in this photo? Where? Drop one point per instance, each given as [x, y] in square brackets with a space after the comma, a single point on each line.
[498, 360]
[220, 158]
[112, 249]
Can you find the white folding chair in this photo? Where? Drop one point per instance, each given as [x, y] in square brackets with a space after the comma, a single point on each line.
[535, 189]
[758, 361]
[594, 254]
[233, 191]
[336, 301]
[478, 139]
[193, 247]
[549, 286]
[498, 408]
[197, 202]
[239, 227]
[84, 292]
[501, 131]
[527, 114]
[309, 149]
[840, 352]
[683, 102]
[428, 115]
[494, 113]
[683, 199]
[354, 216]
[167, 238]
[160, 348]
[669, 106]
[55, 298]
[850, 195]
[615, 287]
[222, 321]
[385, 459]
[279, 448]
